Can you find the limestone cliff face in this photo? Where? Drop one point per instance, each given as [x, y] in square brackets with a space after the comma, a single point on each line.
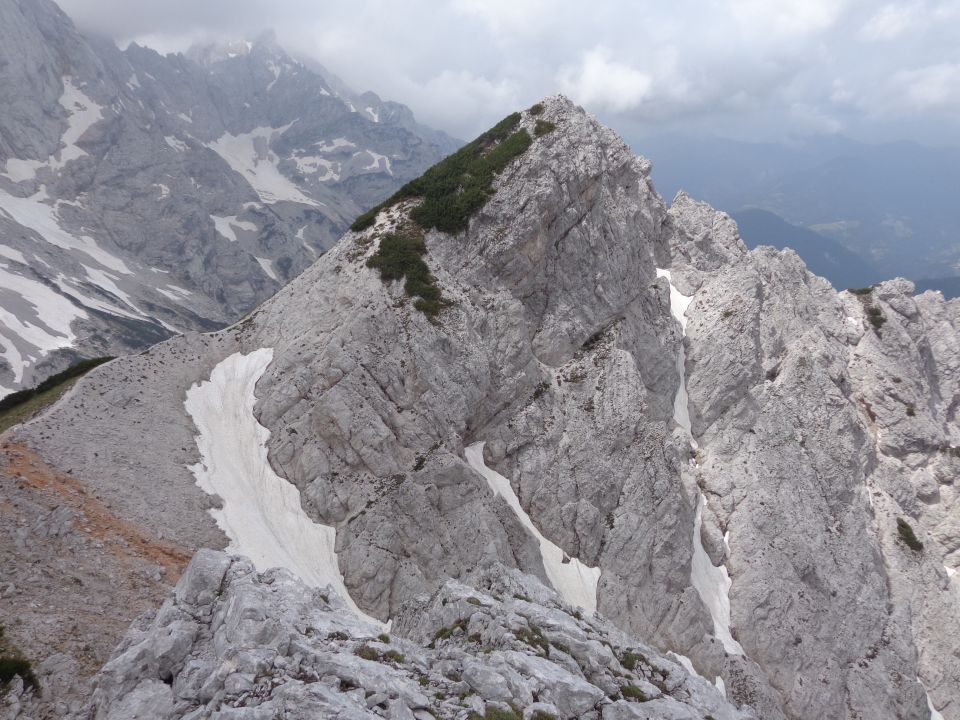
[811, 431]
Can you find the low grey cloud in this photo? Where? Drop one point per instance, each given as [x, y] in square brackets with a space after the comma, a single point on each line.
[750, 69]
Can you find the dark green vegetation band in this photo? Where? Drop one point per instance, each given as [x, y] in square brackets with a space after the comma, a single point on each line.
[400, 256]
[21, 396]
[457, 187]
[11, 667]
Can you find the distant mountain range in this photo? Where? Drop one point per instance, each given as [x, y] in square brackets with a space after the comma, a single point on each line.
[891, 209]
[823, 255]
[143, 195]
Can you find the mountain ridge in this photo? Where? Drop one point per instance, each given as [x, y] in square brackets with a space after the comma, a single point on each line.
[813, 428]
[143, 195]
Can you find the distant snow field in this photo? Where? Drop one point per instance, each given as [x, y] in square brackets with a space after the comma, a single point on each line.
[228, 226]
[261, 514]
[41, 326]
[250, 155]
[576, 582]
[34, 213]
[82, 114]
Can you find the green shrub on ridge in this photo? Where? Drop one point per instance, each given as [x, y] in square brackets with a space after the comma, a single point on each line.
[457, 187]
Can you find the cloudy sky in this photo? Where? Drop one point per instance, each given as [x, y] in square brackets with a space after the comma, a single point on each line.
[750, 69]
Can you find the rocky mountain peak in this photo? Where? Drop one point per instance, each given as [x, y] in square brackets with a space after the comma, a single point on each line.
[524, 365]
[144, 195]
[264, 44]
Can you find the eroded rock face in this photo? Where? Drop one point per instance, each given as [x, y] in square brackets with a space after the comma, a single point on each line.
[560, 353]
[232, 643]
[819, 426]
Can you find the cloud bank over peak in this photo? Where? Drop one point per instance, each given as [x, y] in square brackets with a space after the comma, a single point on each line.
[744, 68]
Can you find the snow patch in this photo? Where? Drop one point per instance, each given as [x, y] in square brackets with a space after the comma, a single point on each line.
[687, 664]
[185, 118]
[373, 114]
[133, 82]
[176, 143]
[175, 293]
[228, 226]
[267, 267]
[335, 144]
[576, 582]
[164, 191]
[82, 114]
[63, 284]
[713, 585]
[20, 170]
[249, 154]
[33, 213]
[950, 571]
[378, 162]
[934, 713]
[311, 165]
[261, 514]
[15, 255]
[678, 309]
[106, 282]
[45, 328]
[276, 70]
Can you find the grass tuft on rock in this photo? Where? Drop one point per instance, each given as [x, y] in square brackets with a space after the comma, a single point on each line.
[542, 127]
[493, 713]
[908, 536]
[13, 664]
[632, 692]
[457, 187]
[876, 317]
[366, 652]
[629, 660]
[534, 637]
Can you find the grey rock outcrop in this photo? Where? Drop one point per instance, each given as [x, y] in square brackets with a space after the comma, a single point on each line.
[816, 426]
[232, 643]
[143, 195]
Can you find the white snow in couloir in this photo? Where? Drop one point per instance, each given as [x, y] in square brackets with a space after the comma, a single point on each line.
[712, 583]
[261, 513]
[576, 582]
